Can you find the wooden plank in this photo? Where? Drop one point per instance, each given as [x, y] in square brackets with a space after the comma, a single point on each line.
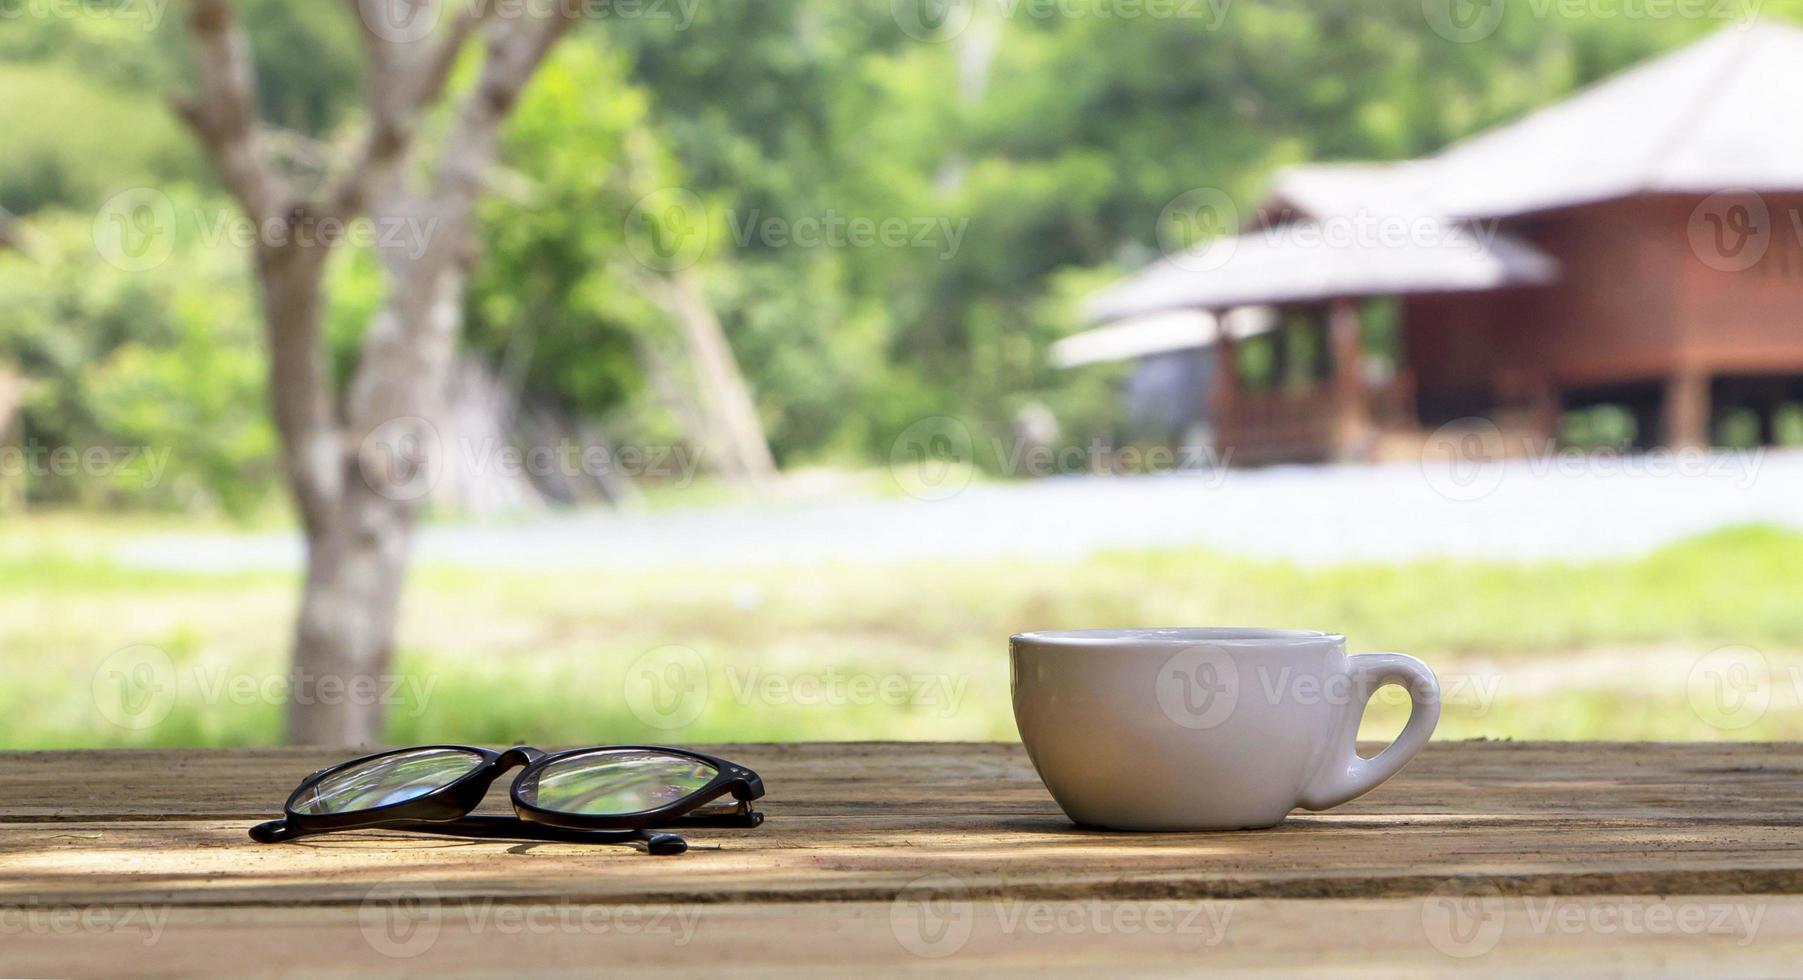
[1635, 935]
[861, 822]
[211, 863]
[1701, 780]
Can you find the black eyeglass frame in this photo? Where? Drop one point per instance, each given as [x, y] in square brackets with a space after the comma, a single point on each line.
[447, 809]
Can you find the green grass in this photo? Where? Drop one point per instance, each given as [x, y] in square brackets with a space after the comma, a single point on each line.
[1607, 650]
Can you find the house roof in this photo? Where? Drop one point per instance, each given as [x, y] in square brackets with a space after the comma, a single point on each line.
[1306, 261]
[1158, 333]
[1720, 114]
[1716, 115]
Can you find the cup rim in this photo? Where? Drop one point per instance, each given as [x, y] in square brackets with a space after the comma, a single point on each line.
[1169, 636]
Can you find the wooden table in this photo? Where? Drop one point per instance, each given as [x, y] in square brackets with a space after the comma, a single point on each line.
[944, 858]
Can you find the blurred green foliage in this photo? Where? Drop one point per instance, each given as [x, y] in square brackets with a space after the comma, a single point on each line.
[146, 366]
[71, 139]
[559, 285]
[1030, 158]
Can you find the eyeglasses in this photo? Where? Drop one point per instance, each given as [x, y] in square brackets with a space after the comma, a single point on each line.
[601, 795]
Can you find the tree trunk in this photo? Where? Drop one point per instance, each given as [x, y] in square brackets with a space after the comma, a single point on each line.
[12, 399]
[736, 434]
[975, 51]
[356, 538]
[706, 389]
[359, 470]
[344, 639]
[1687, 410]
[357, 554]
[358, 484]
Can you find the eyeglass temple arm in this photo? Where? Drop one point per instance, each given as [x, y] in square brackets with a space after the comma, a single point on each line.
[741, 815]
[513, 828]
[277, 831]
[490, 828]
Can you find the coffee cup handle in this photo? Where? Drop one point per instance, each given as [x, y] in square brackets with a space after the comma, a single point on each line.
[1342, 774]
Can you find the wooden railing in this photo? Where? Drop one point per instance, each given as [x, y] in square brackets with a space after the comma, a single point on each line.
[1294, 425]
[1304, 425]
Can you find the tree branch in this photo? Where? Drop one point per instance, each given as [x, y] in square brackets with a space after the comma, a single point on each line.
[400, 92]
[435, 72]
[516, 48]
[314, 450]
[409, 346]
[223, 114]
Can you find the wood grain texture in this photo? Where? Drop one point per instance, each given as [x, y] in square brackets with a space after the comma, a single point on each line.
[1591, 936]
[858, 822]
[857, 831]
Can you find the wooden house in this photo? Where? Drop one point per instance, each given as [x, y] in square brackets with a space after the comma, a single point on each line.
[1640, 244]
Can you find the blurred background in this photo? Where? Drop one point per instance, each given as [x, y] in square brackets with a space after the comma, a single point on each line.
[777, 360]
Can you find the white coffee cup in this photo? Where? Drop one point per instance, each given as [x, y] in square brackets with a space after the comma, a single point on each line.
[1206, 729]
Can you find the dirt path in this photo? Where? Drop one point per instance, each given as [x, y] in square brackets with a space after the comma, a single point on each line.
[1550, 509]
